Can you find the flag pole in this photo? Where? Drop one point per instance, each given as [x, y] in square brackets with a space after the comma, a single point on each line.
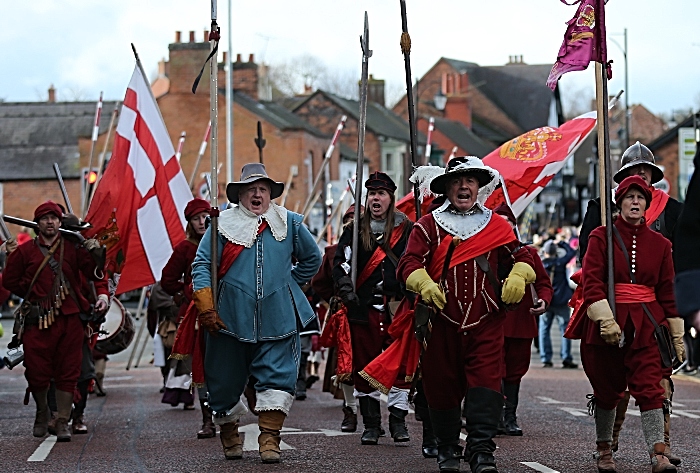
[366, 54]
[180, 145]
[93, 145]
[406, 50]
[605, 171]
[429, 141]
[214, 35]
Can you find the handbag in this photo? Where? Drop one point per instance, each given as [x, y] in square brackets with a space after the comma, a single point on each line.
[669, 358]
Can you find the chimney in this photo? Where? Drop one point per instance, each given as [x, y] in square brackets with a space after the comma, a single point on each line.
[225, 61]
[161, 68]
[178, 36]
[191, 36]
[245, 76]
[183, 63]
[206, 35]
[375, 91]
[52, 94]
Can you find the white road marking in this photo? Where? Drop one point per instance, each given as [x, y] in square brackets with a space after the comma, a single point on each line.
[250, 441]
[575, 411]
[549, 400]
[539, 467]
[685, 413]
[118, 378]
[43, 450]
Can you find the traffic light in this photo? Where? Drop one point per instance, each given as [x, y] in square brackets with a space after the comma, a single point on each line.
[88, 183]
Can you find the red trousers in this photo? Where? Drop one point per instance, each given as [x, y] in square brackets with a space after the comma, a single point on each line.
[54, 353]
[612, 370]
[516, 359]
[456, 361]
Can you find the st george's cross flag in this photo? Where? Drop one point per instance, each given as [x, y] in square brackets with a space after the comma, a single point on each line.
[528, 162]
[137, 209]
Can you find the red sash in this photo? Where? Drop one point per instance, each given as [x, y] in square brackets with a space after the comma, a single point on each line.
[379, 255]
[657, 205]
[188, 342]
[404, 351]
[633, 293]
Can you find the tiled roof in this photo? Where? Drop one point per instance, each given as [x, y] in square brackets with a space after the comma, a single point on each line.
[34, 135]
[275, 114]
[463, 137]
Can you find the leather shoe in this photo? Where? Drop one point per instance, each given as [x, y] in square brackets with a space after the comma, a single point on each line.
[78, 426]
[349, 423]
[569, 365]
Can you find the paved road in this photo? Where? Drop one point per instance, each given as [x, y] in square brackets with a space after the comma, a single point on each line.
[132, 431]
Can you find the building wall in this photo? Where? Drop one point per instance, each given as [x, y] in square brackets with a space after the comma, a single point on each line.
[20, 198]
[667, 156]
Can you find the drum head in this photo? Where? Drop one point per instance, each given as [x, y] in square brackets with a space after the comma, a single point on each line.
[113, 321]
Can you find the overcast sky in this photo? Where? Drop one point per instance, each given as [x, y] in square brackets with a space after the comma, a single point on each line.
[82, 46]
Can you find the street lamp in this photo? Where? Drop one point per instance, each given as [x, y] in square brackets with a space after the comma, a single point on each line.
[440, 100]
[627, 94]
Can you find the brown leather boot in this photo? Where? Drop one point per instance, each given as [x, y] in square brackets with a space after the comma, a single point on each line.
[208, 429]
[659, 461]
[41, 421]
[620, 413]
[604, 458]
[231, 441]
[78, 426]
[52, 423]
[668, 394]
[64, 402]
[270, 424]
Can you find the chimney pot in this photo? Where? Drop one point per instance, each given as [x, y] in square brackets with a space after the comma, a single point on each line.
[251, 58]
[521, 59]
[191, 36]
[206, 35]
[238, 58]
[178, 36]
[52, 94]
[225, 57]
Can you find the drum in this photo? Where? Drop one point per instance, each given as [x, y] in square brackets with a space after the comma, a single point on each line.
[117, 331]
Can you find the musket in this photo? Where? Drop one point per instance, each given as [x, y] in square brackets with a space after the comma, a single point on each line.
[325, 162]
[260, 142]
[202, 149]
[33, 225]
[95, 133]
[62, 185]
[366, 54]
[406, 50]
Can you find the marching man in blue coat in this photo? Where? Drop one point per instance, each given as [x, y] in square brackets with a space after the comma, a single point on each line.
[265, 254]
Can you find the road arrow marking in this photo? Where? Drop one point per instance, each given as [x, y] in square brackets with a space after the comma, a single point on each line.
[43, 450]
[539, 467]
[250, 441]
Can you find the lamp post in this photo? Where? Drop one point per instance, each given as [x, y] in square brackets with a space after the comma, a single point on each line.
[627, 92]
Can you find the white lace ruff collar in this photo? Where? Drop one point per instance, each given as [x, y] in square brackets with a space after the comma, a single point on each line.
[239, 225]
[462, 224]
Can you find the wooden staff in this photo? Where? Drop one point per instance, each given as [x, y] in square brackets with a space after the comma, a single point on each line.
[93, 143]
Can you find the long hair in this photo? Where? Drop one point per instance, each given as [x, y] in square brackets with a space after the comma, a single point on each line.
[191, 234]
[366, 236]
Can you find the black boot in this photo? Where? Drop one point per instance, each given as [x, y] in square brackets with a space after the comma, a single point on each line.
[446, 427]
[429, 447]
[510, 420]
[371, 418]
[483, 411]
[397, 424]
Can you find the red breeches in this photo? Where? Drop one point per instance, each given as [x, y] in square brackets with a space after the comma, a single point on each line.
[54, 353]
[456, 361]
[612, 370]
[516, 358]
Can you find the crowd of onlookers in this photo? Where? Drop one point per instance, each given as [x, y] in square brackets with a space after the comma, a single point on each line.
[558, 248]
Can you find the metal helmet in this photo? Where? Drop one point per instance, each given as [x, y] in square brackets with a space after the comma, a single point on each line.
[635, 155]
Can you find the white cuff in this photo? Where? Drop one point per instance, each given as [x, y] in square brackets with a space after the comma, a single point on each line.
[397, 398]
[274, 400]
[232, 415]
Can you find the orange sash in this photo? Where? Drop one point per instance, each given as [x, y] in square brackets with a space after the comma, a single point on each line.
[379, 255]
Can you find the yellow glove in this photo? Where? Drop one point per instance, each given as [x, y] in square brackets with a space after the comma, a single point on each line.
[677, 329]
[600, 312]
[208, 317]
[420, 282]
[514, 286]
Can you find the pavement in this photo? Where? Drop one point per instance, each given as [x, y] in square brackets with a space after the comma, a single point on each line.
[130, 430]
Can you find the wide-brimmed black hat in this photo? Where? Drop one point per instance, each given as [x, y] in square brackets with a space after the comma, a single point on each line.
[253, 172]
[463, 165]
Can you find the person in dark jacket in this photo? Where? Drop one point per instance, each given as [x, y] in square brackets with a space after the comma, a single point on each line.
[557, 256]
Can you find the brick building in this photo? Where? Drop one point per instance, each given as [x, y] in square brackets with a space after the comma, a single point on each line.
[34, 136]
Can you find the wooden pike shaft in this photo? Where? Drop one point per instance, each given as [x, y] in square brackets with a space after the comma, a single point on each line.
[605, 172]
[366, 54]
[214, 118]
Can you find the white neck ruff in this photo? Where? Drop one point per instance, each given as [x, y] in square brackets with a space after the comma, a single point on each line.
[462, 224]
[240, 226]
